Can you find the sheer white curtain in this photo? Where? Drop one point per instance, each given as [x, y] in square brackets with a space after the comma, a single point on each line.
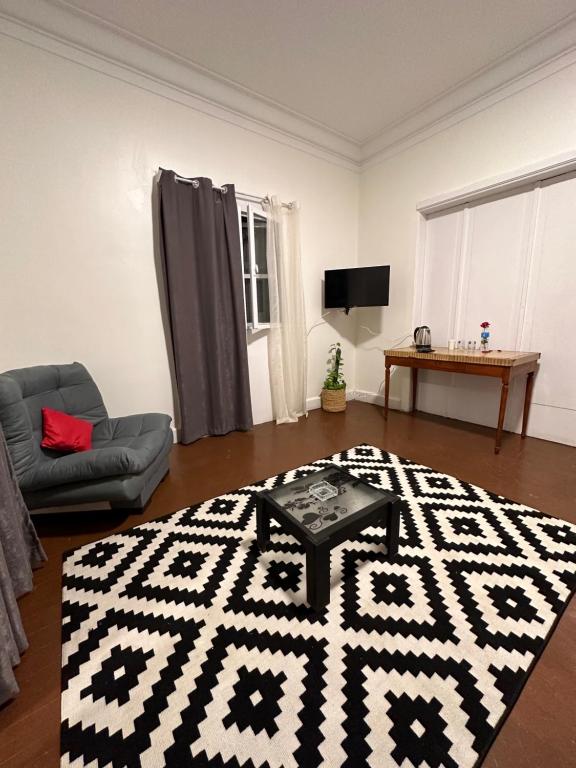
[287, 343]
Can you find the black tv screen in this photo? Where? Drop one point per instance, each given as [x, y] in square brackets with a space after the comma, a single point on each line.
[357, 287]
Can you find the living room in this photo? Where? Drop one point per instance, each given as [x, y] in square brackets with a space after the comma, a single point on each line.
[435, 140]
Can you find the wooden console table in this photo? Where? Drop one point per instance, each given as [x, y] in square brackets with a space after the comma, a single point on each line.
[501, 365]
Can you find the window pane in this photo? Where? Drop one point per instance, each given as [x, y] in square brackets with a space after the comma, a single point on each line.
[245, 244]
[260, 224]
[248, 300]
[263, 300]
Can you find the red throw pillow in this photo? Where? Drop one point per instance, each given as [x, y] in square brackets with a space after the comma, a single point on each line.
[62, 432]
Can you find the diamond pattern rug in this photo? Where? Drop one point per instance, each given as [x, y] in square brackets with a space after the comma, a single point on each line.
[184, 646]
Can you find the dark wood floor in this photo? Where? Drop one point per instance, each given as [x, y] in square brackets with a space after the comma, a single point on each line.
[541, 728]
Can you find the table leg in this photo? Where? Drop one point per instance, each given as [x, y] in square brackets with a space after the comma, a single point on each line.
[318, 575]
[262, 525]
[527, 400]
[414, 387]
[386, 389]
[502, 412]
[393, 529]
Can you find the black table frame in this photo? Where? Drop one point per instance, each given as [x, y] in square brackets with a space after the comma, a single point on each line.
[318, 545]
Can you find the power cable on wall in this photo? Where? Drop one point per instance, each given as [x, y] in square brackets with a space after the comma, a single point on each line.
[394, 342]
[321, 321]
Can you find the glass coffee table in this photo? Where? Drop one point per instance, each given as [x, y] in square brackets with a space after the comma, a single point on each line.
[322, 510]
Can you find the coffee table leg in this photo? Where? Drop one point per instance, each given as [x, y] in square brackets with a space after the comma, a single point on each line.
[318, 576]
[262, 525]
[393, 529]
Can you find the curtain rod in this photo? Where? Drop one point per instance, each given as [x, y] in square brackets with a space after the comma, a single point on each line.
[241, 195]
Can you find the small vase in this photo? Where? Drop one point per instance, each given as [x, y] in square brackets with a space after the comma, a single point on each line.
[484, 336]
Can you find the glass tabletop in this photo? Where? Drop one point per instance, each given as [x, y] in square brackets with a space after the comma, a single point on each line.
[324, 498]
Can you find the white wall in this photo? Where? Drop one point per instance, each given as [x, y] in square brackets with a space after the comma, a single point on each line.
[77, 271]
[534, 124]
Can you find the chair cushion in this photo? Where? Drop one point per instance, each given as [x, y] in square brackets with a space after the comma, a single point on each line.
[23, 394]
[122, 446]
[65, 433]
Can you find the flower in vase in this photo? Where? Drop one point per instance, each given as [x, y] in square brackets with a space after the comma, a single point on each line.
[484, 336]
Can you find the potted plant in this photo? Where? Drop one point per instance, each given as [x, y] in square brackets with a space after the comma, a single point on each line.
[333, 396]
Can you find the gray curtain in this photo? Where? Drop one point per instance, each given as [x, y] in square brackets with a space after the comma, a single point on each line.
[200, 243]
[20, 551]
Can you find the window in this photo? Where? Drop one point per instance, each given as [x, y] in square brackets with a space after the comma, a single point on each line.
[253, 241]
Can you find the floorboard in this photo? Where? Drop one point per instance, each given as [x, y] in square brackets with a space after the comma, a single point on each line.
[540, 474]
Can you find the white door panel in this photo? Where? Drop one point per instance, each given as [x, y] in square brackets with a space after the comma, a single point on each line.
[551, 311]
[440, 283]
[512, 261]
[495, 269]
[442, 253]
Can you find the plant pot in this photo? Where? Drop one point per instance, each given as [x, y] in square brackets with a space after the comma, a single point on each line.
[333, 400]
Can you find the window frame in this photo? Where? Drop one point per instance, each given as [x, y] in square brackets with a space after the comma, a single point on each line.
[253, 275]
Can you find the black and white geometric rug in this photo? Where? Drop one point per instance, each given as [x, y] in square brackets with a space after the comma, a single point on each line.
[183, 646]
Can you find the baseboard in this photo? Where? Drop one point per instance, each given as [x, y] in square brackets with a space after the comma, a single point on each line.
[361, 395]
[312, 403]
[377, 399]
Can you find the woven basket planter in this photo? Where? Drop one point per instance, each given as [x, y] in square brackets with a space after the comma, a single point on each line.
[333, 400]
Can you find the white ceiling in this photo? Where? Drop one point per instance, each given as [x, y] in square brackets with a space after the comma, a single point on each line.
[355, 67]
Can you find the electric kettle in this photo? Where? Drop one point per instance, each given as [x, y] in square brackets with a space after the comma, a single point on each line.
[423, 339]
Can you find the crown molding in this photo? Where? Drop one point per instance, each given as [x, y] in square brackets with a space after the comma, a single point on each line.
[538, 59]
[87, 40]
[538, 171]
[107, 49]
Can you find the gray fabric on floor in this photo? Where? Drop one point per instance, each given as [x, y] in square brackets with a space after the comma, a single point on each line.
[20, 551]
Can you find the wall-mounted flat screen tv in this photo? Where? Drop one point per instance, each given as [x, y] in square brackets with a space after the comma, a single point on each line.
[357, 287]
